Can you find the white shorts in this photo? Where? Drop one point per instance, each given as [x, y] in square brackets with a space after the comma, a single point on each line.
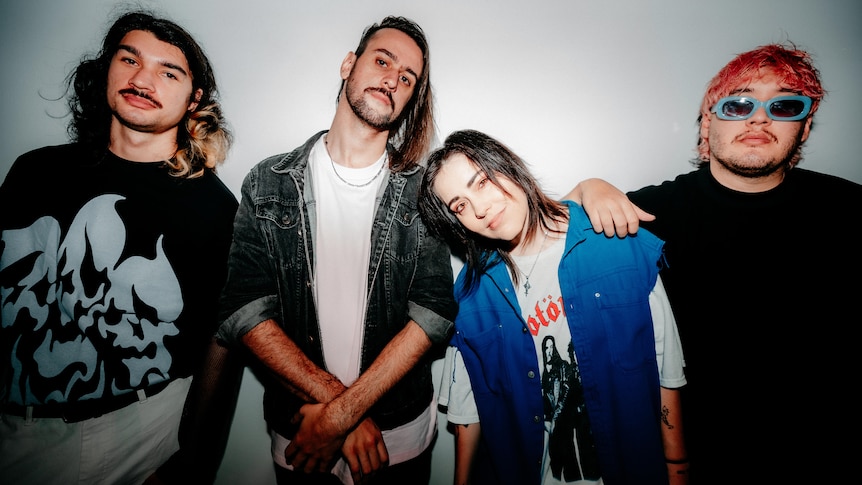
[121, 447]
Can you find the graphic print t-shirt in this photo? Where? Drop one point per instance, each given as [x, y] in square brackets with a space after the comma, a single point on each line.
[570, 452]
[109, 273]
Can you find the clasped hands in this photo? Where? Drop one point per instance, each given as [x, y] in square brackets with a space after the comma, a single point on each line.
[324, 431]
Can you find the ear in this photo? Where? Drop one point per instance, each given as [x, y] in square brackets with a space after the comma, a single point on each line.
[705, 120]
[197, 99]
[347, 65]
[806, 129]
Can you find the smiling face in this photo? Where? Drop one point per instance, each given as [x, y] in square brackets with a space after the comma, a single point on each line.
[492, 211]
[758, 147]
[149, 84]
[381, 82]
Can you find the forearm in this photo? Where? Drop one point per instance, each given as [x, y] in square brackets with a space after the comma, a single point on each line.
[398, 357]
[323, 428]
[672, 436]
[207, 418]
[466, 443]
[268, 342]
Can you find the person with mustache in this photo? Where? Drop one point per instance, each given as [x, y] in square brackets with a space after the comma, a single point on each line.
[334, 284]
[113, 251]
[763, 274]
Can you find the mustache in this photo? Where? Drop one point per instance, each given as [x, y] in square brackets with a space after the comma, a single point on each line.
[757, 132]
[386, 93]
[141, 94]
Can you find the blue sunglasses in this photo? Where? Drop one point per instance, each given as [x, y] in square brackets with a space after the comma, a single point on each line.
[779, 108]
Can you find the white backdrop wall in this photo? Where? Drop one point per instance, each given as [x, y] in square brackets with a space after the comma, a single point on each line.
[578, 88]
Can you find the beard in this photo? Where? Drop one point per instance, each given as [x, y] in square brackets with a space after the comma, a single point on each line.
[361, 108]
[752, 164]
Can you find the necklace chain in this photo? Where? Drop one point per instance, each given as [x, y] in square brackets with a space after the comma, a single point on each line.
[527, 284]
[334, 169]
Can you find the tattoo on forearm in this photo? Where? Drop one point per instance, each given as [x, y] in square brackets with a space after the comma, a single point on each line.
[664, 414]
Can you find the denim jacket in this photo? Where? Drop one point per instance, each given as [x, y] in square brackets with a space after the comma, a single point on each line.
[271, 276]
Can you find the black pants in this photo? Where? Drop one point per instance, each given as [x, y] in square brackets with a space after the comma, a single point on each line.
[416, 471]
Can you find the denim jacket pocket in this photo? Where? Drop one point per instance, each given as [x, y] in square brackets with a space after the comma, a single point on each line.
[488, 347]
[279, 212]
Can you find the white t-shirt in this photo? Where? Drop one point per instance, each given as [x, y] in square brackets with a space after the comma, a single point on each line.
[342, 248]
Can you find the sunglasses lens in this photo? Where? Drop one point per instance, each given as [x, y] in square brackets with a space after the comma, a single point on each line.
[786, 108]
[736, 108]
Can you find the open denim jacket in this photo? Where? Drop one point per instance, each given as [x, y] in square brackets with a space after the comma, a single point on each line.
[270, 276]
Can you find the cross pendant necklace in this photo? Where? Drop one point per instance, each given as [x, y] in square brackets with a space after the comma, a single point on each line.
[527, 284]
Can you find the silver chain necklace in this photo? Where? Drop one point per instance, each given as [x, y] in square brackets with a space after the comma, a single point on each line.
[334, 169]
[527, 284]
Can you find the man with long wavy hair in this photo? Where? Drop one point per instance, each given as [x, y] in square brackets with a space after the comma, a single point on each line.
[334, 283]
[114, 249]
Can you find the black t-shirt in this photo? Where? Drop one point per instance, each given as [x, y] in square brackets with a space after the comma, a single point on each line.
[764, 288]
[110, 273]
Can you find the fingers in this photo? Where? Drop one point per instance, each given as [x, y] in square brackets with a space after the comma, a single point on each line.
[306, 463]
[626, 224]
[383, 453]
[643, 215]
[365, 450]
[364, 466]
[629, 222]
[620, 220]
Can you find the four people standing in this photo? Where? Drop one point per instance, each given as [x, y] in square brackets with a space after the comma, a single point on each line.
[299, 279]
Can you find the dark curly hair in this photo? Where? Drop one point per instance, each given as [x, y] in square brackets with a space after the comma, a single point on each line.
[203, 138]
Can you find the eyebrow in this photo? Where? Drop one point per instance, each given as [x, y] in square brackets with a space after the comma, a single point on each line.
[469, 183]
[746, 89]
[394, 58]
[135, 52]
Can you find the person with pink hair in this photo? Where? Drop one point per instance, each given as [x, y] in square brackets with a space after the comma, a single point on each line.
[761, 274]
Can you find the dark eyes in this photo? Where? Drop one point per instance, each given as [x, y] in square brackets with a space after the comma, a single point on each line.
[403, 79]
[133, 62]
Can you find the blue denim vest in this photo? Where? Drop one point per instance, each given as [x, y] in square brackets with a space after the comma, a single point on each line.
[271, 276]
[605, 284]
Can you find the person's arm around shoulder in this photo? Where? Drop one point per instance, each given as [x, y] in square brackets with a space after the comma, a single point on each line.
[609, 209]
